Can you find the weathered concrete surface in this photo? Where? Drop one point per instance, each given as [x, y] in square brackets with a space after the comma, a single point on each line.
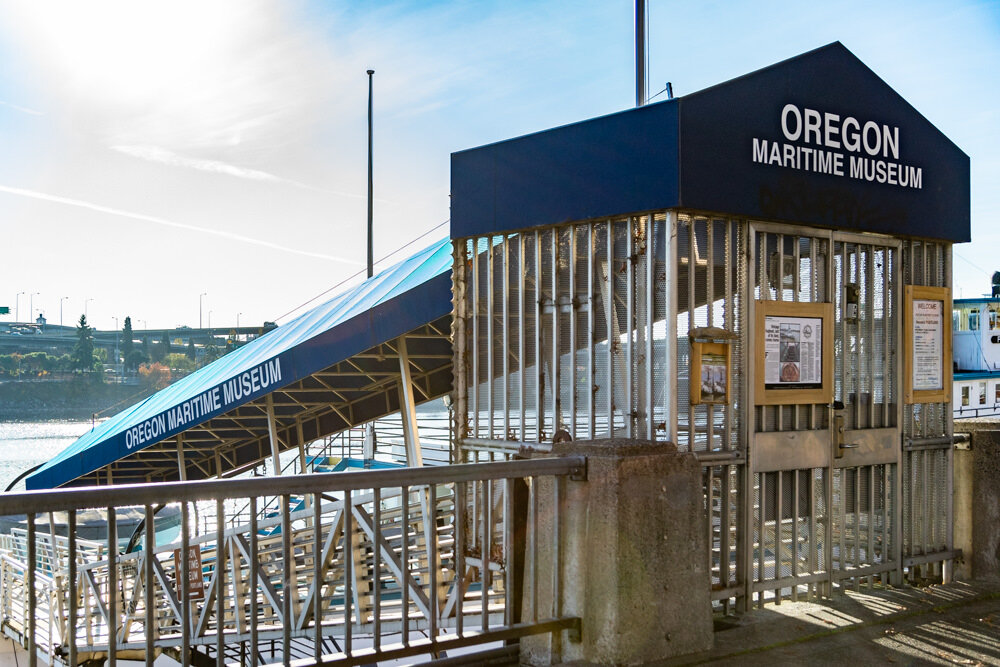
[632, 556]
[985, 496]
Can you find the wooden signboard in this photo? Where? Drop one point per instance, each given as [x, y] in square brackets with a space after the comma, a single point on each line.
[793, 361]
[710, 373]
[927, 352]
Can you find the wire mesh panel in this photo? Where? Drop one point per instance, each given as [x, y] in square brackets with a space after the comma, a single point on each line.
[927, 449]
[562, 332]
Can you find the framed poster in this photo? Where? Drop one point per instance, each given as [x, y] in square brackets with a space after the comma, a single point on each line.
[927, 345]
[794, 353]
[710, 371]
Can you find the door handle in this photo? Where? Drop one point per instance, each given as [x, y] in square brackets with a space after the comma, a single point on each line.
[838, 438]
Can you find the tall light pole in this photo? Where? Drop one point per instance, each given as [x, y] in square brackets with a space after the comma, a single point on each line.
[85, 302]
[640, 52]
[371, 251]
[203, 294]
[31, 306]
[238, 320]
[61, 299]
[17, 307]
[210, 320]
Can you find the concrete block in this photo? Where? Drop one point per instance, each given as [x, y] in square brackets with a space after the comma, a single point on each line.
[632, 554]
[985, 496]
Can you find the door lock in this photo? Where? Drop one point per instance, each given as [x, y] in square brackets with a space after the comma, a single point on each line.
[838, 432]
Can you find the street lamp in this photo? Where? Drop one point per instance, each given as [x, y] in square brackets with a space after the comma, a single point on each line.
[210, 320]
[17, 309]
[60, 309]
[200, 307]
[31, 306]
[238, 320]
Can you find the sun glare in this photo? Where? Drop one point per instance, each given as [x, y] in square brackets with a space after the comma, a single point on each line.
[133, 52]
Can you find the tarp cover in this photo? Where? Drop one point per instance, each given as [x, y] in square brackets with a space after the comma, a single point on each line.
[401, 298]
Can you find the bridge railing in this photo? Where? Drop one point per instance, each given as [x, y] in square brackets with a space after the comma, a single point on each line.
[379, 565]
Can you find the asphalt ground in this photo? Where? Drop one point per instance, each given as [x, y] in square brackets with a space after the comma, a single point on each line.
[953, 624]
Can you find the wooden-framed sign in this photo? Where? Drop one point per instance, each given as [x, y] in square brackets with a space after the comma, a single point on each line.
[927, 344]
[793, 362]
[710, 373]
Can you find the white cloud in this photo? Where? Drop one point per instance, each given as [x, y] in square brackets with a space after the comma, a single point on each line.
[20, 108]
[33, 194]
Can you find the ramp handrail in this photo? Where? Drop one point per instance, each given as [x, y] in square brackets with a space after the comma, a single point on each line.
[383, 564]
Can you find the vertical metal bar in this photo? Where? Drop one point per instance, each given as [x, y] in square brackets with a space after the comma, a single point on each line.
[348, 570]
[508, 551]
[869, 556]
[404, 494]
[433, 556]
[460, 546]
[533, 536]
[573, 417]
[813, 545]
[317, 610]
[670, 269]
[779, 520]
[728, 323]
[74, 583]
[591, 324]
[761, 532]
[692, 278]
[612, 318]
[32, 596]
[709, 472]
[287, 579]
[539, 415]
[725, 521]
[490, 338]
[870, 338]
[795, 530]
[254, 580]
[856, 550]
[185, 599]
[505, 350]
[475, 338]
[522, 363]
[555, 380]
[649, 366]
[630, 330]
[220, 578]
[487, 546]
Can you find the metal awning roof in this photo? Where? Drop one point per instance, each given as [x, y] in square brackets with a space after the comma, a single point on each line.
[333, 367]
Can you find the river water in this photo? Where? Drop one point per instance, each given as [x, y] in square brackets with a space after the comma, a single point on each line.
[26, 444]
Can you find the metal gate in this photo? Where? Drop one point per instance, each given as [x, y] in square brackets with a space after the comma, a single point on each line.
[823, 478]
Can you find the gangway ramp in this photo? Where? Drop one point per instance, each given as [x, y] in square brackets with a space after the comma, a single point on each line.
[334, 367]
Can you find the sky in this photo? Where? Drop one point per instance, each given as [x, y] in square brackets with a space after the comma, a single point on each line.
[183, 161]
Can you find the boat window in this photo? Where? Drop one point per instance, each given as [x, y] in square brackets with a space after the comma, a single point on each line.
[994, 324]
[965, 396]
[974, 319]
[982, 393]
[996, 393]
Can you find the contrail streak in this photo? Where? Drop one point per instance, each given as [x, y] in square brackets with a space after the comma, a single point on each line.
[170, 223]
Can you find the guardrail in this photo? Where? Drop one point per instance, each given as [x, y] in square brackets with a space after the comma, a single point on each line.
[381, 565]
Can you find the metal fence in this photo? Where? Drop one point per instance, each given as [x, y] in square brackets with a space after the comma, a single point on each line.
[354, 568]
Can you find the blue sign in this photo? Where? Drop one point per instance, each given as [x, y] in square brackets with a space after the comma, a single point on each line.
[817, 140]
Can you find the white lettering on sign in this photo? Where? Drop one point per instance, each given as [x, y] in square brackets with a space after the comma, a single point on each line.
[873, 148]
[211, 400]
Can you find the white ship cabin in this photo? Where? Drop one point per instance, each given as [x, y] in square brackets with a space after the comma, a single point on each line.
[976, 343]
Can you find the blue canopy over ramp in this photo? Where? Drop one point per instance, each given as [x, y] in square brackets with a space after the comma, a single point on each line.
[331, 368]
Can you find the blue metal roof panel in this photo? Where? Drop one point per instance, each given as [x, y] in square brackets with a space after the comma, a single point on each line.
[401, 298]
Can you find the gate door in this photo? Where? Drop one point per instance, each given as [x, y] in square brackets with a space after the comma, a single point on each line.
[824, 473]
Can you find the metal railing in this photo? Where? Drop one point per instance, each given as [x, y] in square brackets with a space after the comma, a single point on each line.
[384, 564]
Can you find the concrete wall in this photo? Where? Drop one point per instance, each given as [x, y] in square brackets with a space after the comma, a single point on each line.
[977, 499]
[632, 557]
